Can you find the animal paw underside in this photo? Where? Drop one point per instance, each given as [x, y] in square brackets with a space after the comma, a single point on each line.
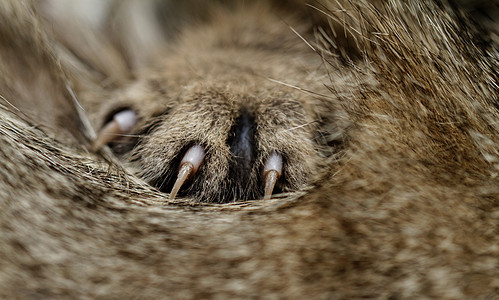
[218, 147]
[234, 111]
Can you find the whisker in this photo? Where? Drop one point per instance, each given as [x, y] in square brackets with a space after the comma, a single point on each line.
[324, 12]
[297, 88]
[128, 135]
[10, 104]
[300, 126]
[73, 96]
[90, 131]
[19, 112]
[305, 40]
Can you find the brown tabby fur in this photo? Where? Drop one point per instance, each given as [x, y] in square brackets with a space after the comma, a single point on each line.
[398, 194]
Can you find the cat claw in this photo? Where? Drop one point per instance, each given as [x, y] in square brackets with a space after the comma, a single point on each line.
[271, 173]
[122, 123]
[193, 158]
[189, 165]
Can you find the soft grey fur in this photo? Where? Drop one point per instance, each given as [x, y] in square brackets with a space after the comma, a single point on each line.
[404, 206]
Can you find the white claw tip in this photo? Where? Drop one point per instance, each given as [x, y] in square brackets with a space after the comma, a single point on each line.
[126, 119]
[195, 155]
[274, 162]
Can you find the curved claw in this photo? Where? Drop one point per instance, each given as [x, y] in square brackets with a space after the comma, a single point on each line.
[270, 181]
[122, 122]
[189, 165]
[183, 174]
[107, 134]
[271, 172]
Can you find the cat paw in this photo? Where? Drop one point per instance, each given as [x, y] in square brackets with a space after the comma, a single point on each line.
[217, 145]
